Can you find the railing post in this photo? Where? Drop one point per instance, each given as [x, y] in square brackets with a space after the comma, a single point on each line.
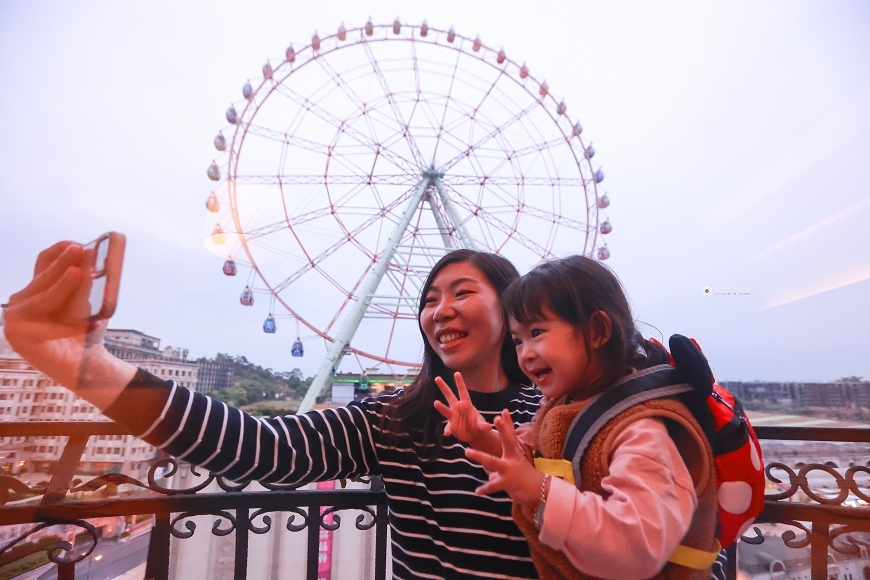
[66, 571]
[731, 561]
[157, 566]
[819, 551]
[381, 543]
[313, 542]
[66, 468]
[243, 518]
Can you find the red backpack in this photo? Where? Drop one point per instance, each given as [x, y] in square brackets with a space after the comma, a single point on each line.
[736, 450]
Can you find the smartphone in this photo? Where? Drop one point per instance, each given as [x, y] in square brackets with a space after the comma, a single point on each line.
[106, 255]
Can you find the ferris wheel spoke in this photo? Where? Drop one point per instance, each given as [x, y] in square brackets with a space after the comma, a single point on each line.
[502, 226]
[347, 237]
[348, 295]
[514, 234]
[457, 180]
[328, 179]
[337, 78]
[447, 103]
[347, 162]
[415, 151]
[348, 129]
[561, 220]
[286, 138]
[474, 118]
[284, 223]
[491, 135]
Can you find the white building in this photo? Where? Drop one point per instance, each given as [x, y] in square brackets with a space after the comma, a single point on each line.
[28, 395]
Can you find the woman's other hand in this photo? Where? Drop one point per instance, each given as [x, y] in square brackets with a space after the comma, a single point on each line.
[464, 421]
[48, 324]
[509, 470]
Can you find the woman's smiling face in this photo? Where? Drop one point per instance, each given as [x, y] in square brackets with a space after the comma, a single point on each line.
[462, 317]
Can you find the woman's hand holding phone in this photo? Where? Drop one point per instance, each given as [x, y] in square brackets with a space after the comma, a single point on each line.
[49, 323]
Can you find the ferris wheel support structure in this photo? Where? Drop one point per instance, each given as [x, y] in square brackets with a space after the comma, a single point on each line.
[351, 322]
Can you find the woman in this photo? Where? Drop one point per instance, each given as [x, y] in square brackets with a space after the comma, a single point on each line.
[440, 527]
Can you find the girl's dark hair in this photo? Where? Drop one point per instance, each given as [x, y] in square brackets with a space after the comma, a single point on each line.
[574, 289]
[414, 413]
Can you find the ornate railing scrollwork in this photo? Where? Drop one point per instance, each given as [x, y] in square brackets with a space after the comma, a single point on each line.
[791, 539]
[336, 519]
[109, 482]
[851, 545]
[216, 526]
[191, 526]
[361, 518]
[281, 486]
[800, 482]
[12, 488]
[56, 551]
[267, 521]
[758, 538]
[854, 486]
[173, 468]
[290, 519]
[231, 486]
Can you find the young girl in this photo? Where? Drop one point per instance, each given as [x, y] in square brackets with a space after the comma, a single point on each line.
[637, 502]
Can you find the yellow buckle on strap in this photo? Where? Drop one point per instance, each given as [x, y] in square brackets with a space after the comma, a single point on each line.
[695, 558]
[560, 468]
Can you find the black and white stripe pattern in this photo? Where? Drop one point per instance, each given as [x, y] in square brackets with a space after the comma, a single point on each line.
[440, 528]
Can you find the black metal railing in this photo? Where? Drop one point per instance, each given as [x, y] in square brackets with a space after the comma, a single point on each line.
[49, 505]
[821, 521]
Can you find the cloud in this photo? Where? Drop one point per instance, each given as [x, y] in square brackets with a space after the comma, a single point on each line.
[838, 129]
[859, 274]
[811, 229]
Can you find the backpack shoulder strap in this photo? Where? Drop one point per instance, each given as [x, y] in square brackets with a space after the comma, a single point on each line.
[639, 387]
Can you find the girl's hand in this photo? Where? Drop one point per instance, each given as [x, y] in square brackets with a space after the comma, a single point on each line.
[512, 471]
[464, 421]
[47, 323]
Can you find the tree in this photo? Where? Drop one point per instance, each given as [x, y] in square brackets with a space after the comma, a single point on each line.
[252, 383]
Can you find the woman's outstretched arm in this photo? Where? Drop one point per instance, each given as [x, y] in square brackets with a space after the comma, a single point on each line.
[319, 445]
[47, 323]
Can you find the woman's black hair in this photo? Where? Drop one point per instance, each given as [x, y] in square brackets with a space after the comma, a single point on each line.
[414, 413]
[574, 289]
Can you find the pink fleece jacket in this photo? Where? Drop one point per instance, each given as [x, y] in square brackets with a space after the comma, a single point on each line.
[631, 534]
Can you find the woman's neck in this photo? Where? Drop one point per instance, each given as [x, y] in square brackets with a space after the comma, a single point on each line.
[485, 378]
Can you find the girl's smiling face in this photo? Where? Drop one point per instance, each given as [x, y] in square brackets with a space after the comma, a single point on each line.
[553, 354]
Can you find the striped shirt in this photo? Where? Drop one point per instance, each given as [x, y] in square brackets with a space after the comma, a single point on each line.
[440, 528]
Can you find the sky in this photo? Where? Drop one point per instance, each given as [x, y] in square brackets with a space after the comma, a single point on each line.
[734, 137]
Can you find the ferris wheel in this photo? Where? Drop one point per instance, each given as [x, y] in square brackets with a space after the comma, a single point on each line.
[360, 159]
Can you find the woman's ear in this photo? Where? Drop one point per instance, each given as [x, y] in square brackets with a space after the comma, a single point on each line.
[601, 327]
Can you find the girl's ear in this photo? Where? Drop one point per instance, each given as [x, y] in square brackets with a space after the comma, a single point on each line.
[601, 327]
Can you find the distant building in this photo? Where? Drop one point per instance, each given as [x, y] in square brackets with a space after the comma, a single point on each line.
[28, 395]
[144, 351]
[369, 383]
[213, 375]
[835, 395]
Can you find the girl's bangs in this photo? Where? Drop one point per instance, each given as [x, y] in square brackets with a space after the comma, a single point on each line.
[526, 299]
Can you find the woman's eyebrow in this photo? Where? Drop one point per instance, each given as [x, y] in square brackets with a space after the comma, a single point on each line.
[454, 283]
[459, 281]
